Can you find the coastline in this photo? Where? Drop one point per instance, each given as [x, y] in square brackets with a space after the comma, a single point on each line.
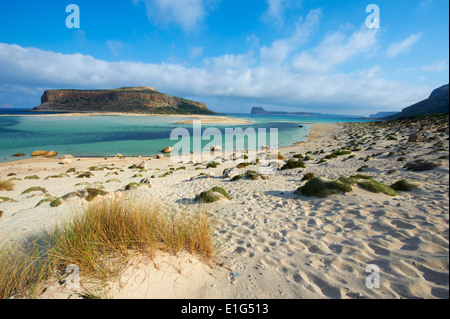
[210, 119]
[314, 134]
[282, 245]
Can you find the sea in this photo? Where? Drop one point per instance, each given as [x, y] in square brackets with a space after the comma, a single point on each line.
[106, 136]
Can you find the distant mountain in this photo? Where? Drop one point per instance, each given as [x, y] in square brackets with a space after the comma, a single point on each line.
[380, 115]
[123, 100]
[438, 102]
[261, 111]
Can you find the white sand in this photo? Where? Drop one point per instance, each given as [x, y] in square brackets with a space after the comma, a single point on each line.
[272, 243]
[209, 119]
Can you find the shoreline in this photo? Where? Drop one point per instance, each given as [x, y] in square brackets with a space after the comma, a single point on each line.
[314, 133]
[214, 119]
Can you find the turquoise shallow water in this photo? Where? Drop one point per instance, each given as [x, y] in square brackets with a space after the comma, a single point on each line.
[132, 135]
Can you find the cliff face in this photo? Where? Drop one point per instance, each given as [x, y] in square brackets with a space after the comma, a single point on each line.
[123, 100]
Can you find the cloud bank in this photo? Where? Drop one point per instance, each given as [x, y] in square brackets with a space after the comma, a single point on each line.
[282, 74]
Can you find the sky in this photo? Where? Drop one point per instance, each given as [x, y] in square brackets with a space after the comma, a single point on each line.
[320, 56]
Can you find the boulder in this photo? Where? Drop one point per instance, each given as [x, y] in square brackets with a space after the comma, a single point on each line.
[167, 150]
[159, 156]
[215, 148]
[231, 172]
[39, 153]
[18, 155]
[425, 166]
[413, 138]
[51, 154]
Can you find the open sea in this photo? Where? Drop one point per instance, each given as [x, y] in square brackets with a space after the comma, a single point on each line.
[105, 136]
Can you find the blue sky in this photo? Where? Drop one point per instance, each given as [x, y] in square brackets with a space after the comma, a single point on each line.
[292, 55]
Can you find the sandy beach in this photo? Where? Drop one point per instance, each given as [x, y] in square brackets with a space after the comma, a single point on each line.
[208, 119]
[272, 241]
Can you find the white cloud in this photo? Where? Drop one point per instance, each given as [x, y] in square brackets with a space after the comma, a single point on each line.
[280, 49]
[184, 13]
[436, 66]
[28, 71]
[336, 49]
[402, 47]
[275, 11]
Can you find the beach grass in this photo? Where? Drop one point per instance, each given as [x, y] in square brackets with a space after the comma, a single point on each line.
[34, 189]
[99, 240]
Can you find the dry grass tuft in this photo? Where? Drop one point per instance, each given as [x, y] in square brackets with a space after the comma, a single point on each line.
[6, 185]
[100, 241]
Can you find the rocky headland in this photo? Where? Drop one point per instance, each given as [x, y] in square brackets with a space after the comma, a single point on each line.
[145, 100]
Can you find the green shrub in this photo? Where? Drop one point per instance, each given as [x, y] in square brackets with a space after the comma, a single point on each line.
[321, 187]
[330, 156]
[308, 176]
[212, 164]
[94, 192]
[236, 178]
[373, 186]
[34, 189]
[342, 152]
[404, 185]
[252, 175]
[32, 177]
[212, 195]
[85, 175]
[291, 164]
[57, 202]
[242, 165]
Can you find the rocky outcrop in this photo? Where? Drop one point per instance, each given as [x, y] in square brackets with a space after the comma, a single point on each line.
[123, 100]
[438, 102]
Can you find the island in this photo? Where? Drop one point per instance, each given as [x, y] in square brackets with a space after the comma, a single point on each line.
[261, 111]
[145, 100]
